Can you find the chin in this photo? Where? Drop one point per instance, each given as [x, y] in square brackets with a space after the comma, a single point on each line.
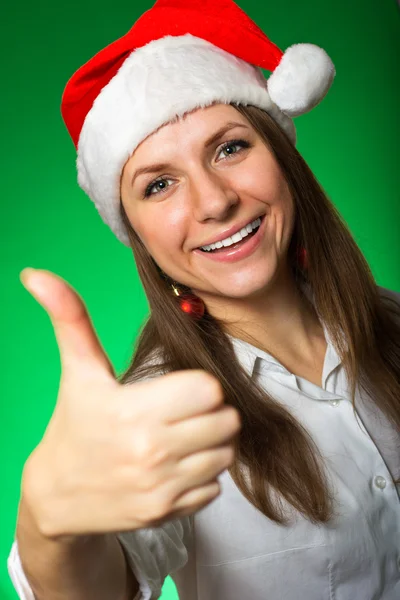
[246, 290]
[250, 283]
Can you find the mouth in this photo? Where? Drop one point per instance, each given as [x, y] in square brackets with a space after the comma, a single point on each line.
[235, 249]
[230, 241]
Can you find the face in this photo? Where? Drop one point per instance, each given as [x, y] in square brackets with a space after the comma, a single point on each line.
[200, 180]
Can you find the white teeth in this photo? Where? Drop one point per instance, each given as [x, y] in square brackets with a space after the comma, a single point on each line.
[236, 237]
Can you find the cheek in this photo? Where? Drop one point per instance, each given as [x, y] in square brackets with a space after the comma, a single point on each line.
[271, 188]
[262, 179]
[161, 230]
[277, 191]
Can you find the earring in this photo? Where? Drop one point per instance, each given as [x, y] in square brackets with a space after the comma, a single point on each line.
[189, 303]
[302, 258]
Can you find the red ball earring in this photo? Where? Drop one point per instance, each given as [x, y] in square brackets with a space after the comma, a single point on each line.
[189, 303]
[302, 258]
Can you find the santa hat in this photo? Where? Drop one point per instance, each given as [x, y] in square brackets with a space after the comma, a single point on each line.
[180, 55]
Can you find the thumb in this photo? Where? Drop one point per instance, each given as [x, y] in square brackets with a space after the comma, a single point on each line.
[77, 341]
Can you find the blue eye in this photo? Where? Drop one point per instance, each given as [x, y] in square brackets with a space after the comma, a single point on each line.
[230, 148]
[154, 184]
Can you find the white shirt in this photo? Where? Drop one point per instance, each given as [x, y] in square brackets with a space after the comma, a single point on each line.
[231, 551]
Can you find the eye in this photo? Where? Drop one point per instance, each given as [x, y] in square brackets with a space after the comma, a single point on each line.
[159, 185]
[233, 147]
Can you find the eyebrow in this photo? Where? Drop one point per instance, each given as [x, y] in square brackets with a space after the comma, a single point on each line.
[211, 140]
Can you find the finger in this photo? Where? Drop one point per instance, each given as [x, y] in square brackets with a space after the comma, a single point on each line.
[201, 468]
[203, 432]
[76, 338]
[195, 499]
[184, 394]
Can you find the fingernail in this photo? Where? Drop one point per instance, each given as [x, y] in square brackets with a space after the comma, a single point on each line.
[24, 275]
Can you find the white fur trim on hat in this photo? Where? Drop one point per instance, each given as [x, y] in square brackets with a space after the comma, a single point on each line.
[166, 78]
[301, 79]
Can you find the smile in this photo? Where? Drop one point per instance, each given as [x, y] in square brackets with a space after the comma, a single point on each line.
[233, 251]
[235, 238]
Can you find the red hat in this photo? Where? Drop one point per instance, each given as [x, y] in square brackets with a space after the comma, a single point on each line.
[180, 55]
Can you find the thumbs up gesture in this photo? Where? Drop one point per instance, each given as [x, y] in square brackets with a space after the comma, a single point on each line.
[121, 457]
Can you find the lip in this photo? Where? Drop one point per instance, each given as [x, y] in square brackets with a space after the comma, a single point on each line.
[231, 255]
[228, 232]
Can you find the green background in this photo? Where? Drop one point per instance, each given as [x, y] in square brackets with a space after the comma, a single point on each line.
[350, 141]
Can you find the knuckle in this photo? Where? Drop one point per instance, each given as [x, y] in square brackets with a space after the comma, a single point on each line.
[164, 505]
[157, 456]
[143, 511]
[148, 456]
[146, 481]
[146, 447]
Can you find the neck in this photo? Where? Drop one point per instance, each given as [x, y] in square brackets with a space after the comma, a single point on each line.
[280, 321]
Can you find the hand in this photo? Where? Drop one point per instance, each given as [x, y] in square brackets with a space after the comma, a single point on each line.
[121, 457]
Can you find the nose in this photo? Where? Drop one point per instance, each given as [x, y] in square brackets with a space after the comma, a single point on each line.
[212, 196]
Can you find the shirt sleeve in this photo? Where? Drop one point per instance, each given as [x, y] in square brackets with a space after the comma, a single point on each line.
[155, 553]
[152, 554]
[17, 574]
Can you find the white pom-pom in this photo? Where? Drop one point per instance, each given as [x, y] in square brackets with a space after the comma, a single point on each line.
[302, 79]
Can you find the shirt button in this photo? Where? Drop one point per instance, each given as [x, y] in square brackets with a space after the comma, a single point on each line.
[334, 402]
[380, 482]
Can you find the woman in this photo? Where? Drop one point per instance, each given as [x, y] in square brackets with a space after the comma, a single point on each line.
[252, 277]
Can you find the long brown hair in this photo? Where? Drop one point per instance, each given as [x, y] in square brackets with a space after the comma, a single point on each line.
[282, 464]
